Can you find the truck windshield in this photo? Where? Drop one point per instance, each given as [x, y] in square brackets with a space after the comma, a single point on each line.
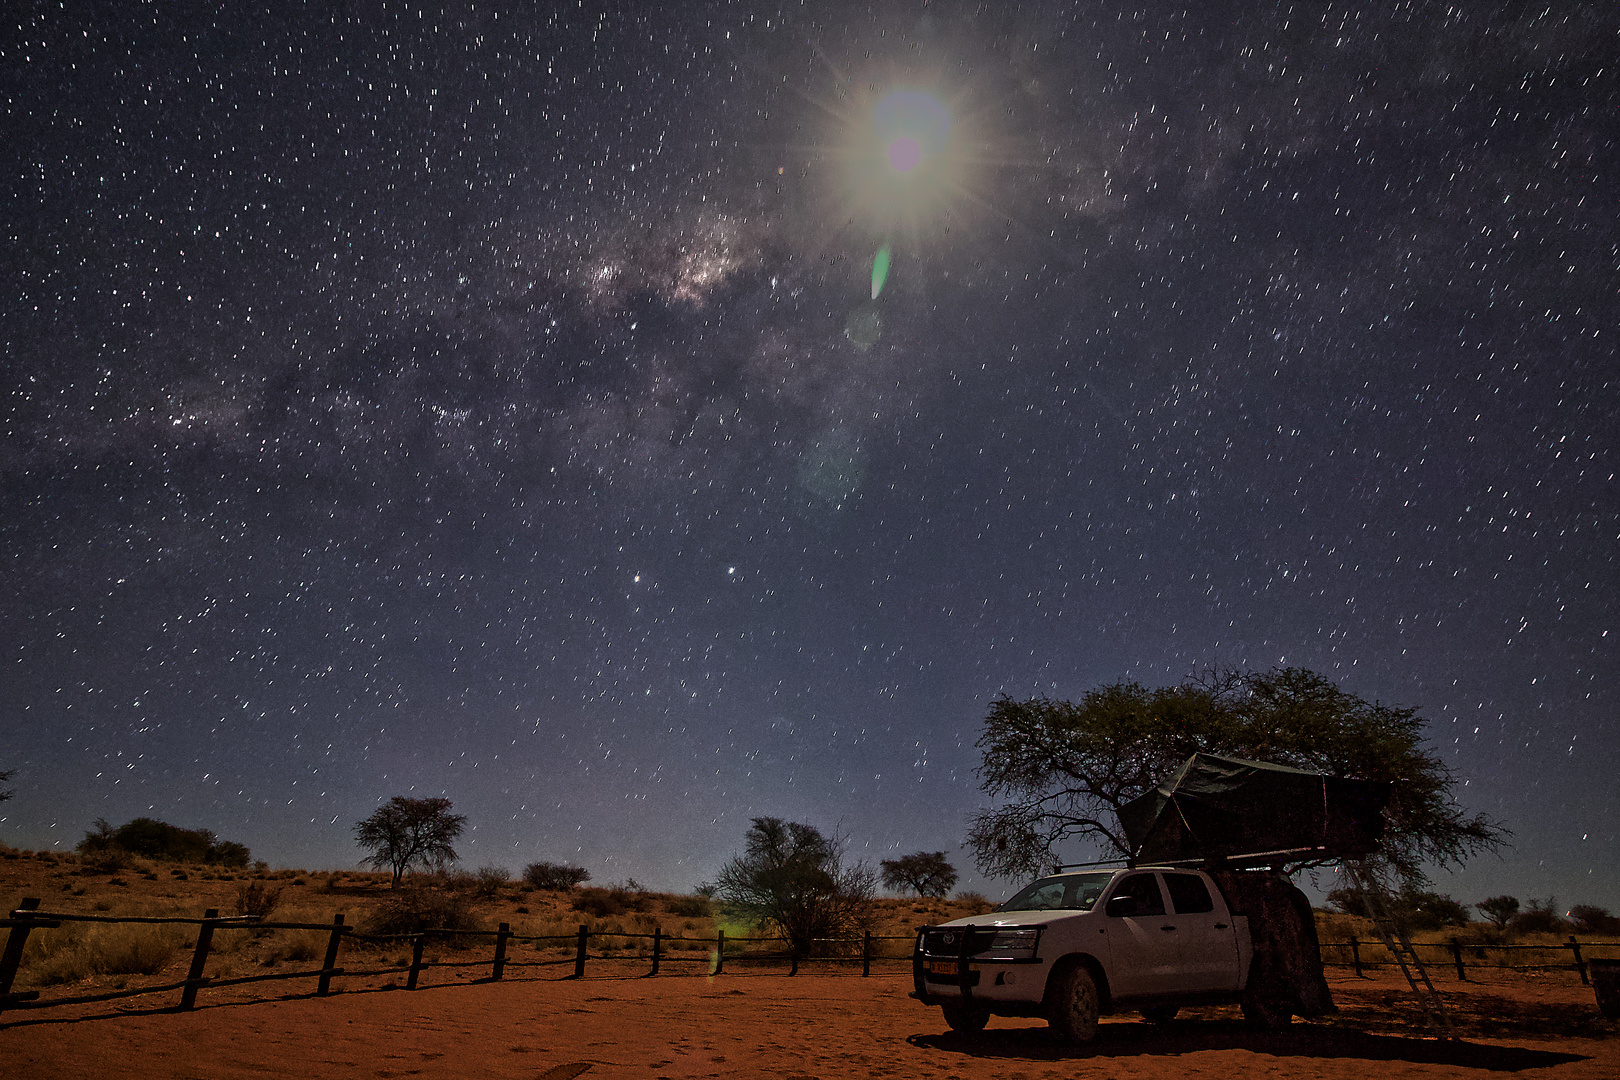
[1062, 892]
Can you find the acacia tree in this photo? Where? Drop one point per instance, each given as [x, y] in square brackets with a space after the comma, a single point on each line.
[1500, 910]
[1064, 768]
[793, 878]
[927, 873]
[404, 832]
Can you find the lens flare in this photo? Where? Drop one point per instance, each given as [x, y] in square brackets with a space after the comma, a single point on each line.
[905, 153]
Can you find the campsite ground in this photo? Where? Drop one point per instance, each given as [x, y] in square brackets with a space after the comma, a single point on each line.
[630, 1027]
[618, 1023]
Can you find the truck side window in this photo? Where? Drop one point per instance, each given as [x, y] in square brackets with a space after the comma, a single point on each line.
[1145, 888]
[1188, 894]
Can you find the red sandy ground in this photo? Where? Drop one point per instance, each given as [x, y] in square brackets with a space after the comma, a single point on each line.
[826, 1026]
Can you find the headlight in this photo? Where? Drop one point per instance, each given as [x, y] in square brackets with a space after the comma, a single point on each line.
[1011, 945]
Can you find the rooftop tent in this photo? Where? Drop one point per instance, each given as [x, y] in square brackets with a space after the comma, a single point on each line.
[1228, 807]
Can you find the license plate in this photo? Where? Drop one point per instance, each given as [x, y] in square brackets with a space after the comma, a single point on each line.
[942, 967]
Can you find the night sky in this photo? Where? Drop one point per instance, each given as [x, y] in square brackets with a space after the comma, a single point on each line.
[494, 403]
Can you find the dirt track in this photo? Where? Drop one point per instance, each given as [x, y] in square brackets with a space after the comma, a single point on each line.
[745, 1025]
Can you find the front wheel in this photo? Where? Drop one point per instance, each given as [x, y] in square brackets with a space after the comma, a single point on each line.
[1073, 1009]
[965, 1018]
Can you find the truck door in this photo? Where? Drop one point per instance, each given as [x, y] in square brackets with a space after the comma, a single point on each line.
[1204, 939]
[1142, 958]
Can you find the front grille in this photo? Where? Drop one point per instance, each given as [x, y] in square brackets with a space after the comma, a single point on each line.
[956, 940]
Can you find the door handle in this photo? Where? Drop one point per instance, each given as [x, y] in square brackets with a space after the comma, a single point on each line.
[1221, 926]
[1167, 929]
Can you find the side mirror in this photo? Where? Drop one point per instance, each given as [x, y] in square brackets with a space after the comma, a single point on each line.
[1121, 907]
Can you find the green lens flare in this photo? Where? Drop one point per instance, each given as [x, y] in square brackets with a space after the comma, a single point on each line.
[880, 270]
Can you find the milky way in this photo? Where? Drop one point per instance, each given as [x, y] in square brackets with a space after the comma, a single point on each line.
[502, 405]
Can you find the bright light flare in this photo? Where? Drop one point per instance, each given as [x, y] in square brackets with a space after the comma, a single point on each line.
[905, 153]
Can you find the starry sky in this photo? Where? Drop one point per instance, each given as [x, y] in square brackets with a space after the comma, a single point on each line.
[498, 402]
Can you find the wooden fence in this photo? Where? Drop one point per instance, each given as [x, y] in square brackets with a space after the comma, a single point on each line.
[1458, 954]
[725, 949]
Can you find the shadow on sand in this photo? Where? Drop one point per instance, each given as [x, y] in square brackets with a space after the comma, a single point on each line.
[1302, 1040]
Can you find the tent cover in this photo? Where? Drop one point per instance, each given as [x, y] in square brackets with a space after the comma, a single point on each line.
[1226, 807]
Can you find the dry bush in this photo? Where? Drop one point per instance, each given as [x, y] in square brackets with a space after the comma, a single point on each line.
[414, 910]
[691, 907]
[257, 898]
[76, 951]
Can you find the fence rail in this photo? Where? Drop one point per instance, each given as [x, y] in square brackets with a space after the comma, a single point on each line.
[1456, 952]
[716, 952]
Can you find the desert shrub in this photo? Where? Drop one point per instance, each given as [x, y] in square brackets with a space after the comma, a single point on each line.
[414, 910]
[555, 876]
[77, 951]
[256, 898]
[1538, 918]
[976, 903]
[488, 881]
[1499, 910]
[1588, 919]
[602, 902]
[159, 840]
[694, 907]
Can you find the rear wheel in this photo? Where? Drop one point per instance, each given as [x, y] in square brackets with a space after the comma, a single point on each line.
[965, 1017]
[1160, 1014]
[1072, 1011]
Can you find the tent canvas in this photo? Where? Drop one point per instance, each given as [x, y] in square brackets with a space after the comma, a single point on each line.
[1215, 806]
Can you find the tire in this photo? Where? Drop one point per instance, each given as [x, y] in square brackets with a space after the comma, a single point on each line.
[1072, 1012]
[965, 1018]
[1160, 1014]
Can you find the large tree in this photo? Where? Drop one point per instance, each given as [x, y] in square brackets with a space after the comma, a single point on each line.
[796, 880]
[1063, 769]
[406, 832]
[928, 873]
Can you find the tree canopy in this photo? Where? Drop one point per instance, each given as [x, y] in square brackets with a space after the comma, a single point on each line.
[793, 878]
[153, 839]
[1063, 769]
[406, 832]
[927, 873]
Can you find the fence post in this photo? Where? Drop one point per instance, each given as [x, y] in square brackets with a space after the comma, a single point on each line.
[1456, 958]
[579, 951]
[719, 951]
[199, 957]
[12, 959]
[416, 960]
[329, 965]
[794, 969]
[866, 953]
[502, 932]
[1580, 965]
[658, 943]
[1355, 955]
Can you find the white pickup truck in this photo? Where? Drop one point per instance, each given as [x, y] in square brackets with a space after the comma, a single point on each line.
[1074, 945]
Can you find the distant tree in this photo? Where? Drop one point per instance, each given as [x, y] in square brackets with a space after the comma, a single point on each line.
[1541, 917]
[1588, 919]
[926, 873]
[1499, 910]
[796, 880]
[1410, 910]
[1065, 768]
[555, 876]
[406, 832]
[153, 839]
[4, 776]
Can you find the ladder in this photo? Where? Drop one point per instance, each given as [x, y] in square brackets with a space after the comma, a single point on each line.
[1372, 898]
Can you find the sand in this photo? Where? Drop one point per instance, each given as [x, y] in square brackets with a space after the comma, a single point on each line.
[615, 1027]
